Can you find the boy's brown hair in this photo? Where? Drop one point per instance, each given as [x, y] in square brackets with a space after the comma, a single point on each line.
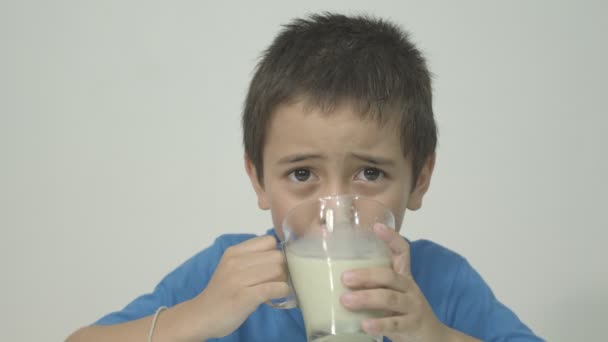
[330, 59]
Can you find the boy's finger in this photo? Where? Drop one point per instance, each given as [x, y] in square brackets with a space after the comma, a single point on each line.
[257, 244]
[372, 278]
[260, 274]
[397, 244]
[272, 257]
[255, 295]
[386, 326]
[377, 299]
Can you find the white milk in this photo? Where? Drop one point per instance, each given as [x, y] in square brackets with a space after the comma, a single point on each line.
[316, 266]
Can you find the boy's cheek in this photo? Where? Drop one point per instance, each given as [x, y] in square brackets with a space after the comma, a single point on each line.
[278, 211]
[281, 202]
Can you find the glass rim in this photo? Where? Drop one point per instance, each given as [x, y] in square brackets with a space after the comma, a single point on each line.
[334, 197]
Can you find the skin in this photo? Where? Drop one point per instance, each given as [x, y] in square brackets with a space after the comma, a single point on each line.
[310, 154]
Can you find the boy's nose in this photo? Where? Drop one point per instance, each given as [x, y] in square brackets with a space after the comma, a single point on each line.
[336, 189]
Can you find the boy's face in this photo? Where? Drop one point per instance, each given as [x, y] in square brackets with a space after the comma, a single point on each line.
[311, 154]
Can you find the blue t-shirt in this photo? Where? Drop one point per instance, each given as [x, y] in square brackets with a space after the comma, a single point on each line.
[457, 294]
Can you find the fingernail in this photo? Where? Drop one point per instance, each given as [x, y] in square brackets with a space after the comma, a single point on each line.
[348, 298]
[369, 326]
[348, 277]
[380, 227]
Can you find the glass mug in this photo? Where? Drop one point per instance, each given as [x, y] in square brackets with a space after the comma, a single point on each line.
[321, 239]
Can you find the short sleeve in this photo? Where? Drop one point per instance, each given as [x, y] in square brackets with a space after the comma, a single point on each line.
[474, 310]
[183, 283]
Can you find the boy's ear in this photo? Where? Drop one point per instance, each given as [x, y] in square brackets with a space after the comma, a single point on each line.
[422, 184]
[257, 186]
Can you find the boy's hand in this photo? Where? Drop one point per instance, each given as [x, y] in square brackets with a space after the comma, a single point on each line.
[248, 274]
[410, 317]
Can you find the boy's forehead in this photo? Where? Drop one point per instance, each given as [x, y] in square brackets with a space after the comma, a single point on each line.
[300, 123]
[342, 112]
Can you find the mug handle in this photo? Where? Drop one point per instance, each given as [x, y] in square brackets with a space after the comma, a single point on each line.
[288, 302]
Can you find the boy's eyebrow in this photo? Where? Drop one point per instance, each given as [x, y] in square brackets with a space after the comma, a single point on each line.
[373, 159]
[299, 157]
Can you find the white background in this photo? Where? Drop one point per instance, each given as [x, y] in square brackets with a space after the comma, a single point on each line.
[120, 150]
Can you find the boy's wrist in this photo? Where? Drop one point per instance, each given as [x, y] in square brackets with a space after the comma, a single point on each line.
[180, 323]
[452, 335]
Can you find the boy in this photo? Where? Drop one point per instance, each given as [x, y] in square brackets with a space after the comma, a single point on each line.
[338, 105]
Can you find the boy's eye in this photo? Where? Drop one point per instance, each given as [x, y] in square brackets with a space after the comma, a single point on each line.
[300, 175]
[370, 174]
